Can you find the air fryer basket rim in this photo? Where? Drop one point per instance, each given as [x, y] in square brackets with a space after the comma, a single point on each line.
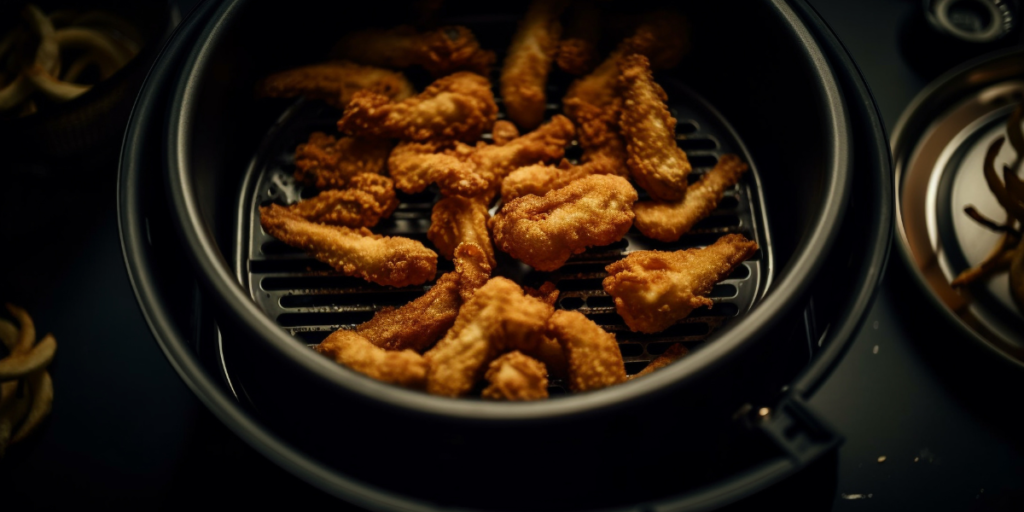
[218, 277]
[175, 346]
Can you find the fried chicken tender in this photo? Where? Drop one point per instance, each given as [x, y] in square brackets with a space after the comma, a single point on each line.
[441, 51]
[405, 368]
[457, 220]
[471, 171]
[456, 107]
[499, 318]
[335, 83]
[544, 232]
[656, 162]
[516, 377]
[595, 360]
[655, 289]
[547, 293]
[504, 132]
[524, 74]
[541, 179]
[328, 162]
[368, 198]
[420, 323]
[577, 51]
[388, 261]
[414, 165]
[669, 221]
[673, 354]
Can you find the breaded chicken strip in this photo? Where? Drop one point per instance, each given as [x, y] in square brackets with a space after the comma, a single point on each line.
[327, 162]
[420, 323]
[499, 318]
[516, 377]
[367, 199]
[504, 132]
[544, 232]
[656, 162]
[541, 179]
[655, 289]
[415, 165]
[405, 368]
[441, 51]
[673, 354]
[547, 292]
[469, 171]
[457, 220]
[669, 221]
[457, 107]
[388, 261]
[595, 360]
[335, 83]
[577, 51]
[524, 74]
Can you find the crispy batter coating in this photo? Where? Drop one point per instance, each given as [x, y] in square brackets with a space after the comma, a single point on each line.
[504, 132]
[420, 323]
[441, 51]
[673, 354]
[669, 221]
[414, 165]
[541, 179]
[471, 171]
[595, 360]
[524, 74]
[388, 261]
[547, 293]
[544, 232]
[456, 107]
[655, 289]
[335, 83]
[516, 377]
[456, 220]
[656, 162]
[498, 318]
[368, 198]
[405, 368]
[328, 162]
[577, 51]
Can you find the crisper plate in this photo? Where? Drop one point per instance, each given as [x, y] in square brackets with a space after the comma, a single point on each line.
[310, 300]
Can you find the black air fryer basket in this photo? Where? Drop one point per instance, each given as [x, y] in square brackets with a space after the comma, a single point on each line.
[729, 419]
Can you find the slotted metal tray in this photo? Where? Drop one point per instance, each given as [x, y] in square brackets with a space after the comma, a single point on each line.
[310, 300]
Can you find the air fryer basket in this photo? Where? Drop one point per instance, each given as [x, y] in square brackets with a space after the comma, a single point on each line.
[586, 451]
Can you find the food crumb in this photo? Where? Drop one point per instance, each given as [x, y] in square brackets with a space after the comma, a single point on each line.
[917, 459]
[881, 459]
[874, 350]
[855, 496]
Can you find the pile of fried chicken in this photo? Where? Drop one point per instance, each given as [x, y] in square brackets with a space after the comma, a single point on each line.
[470, 328]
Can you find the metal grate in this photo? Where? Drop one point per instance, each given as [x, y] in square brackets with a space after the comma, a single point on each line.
[310, 300]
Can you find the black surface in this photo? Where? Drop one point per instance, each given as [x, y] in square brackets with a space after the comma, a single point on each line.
[126, 431]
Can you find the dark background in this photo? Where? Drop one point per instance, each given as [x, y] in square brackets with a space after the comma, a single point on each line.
[126, 431]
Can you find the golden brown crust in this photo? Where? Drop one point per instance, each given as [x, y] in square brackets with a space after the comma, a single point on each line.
[656, 162]
[368, 198]
[420, 323]
[669, 221]
[441, 51]
[498, 318]
[456, 220]
[547, 293]
[524, 74]
[516, 377]
[328, 162]
[595, 360]
[415, 165]
[504, 132]
[388, 261]
[544, 232]
[456, 107]
[655, 289]
[405, 368]
[541, 179]
[576, 56]
[335, 83]
[545, 144]
[671, 355]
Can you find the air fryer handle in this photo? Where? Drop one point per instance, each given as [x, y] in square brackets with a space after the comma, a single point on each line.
[797, 430]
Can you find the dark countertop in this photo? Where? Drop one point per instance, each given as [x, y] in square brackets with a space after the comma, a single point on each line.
[126, 431]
